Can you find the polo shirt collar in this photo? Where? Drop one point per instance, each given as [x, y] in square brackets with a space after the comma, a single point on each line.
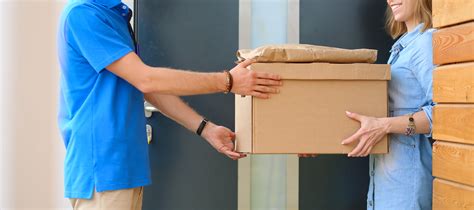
[106, 3]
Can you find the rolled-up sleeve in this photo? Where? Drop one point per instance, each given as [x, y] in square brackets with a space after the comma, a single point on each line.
[428, 109]
[423, 67]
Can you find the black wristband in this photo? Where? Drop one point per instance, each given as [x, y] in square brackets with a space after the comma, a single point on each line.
[201, 126]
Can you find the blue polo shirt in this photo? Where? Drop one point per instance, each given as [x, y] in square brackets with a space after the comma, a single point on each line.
[101, 116]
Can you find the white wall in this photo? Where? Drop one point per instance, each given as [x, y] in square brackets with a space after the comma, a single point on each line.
[31, 150]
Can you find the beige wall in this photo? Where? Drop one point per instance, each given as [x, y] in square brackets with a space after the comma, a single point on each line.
[31, 151]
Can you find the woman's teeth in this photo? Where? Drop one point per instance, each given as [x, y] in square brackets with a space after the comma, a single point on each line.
[395, 6]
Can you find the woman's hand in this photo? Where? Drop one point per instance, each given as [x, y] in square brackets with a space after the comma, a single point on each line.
[371, 131]
[222, 139]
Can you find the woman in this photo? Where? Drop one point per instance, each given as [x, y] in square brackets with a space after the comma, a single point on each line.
[402, 178]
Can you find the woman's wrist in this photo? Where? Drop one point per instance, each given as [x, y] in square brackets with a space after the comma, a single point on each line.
[387, 124]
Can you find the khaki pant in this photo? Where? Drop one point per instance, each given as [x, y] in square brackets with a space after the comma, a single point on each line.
[127, 199]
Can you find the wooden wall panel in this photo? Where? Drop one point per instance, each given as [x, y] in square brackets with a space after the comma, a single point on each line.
[454, 123]
[454, 44]
[452, 196]
[454, 162]
[453, 117]
[454, 83]
[448, 12]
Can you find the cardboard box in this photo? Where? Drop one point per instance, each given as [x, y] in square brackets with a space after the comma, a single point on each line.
[308, 115]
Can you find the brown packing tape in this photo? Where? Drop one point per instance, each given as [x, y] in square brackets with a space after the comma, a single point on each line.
[303, 53]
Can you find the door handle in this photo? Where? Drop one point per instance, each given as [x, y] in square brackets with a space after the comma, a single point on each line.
[149, 109]
[149, 133]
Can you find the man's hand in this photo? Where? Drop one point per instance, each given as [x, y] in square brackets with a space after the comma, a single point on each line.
[256, 84]
[371, 131]
[222, 139]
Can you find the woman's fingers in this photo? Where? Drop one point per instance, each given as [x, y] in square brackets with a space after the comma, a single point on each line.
[356, 151]
[372, 140]
[368, 150]
[368, 135]
[353, 138]
[354, 116]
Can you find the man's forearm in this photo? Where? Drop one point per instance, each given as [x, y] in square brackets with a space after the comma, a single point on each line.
[165, 80]
[239, 80]
[175, 108]
[180, 82]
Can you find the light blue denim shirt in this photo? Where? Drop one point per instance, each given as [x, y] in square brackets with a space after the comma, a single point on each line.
[401, 179]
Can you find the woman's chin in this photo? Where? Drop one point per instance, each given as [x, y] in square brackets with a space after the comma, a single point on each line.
[399, 18]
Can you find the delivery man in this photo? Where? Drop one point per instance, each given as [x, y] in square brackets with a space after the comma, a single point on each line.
[103, 85]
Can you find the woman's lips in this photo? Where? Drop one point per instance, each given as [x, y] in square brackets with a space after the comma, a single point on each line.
[395, 7]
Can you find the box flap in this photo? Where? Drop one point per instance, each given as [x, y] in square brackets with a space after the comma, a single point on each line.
[325, 71]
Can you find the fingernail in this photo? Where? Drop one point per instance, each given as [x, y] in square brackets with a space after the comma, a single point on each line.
[347, 112]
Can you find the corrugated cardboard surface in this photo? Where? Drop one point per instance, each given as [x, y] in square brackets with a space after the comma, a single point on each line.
[325, 71]
[308, 116]
[243, 121]
[292, 53]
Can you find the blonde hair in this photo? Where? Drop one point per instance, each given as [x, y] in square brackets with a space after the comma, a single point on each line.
[422, 14]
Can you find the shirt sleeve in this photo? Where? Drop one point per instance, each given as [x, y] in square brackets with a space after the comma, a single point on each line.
[422, 67]
[93, 37]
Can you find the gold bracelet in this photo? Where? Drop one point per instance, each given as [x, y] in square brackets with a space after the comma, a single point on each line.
[411, 127]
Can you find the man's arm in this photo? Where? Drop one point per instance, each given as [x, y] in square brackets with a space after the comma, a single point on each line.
[177, 82]
[173, 107]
